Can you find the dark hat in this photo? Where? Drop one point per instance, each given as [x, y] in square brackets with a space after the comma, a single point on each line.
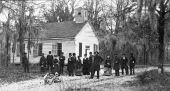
[70, 54]
[96, 52]
[49, 52]
[74, 54]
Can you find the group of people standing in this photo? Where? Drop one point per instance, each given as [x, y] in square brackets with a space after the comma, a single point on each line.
[88, 65]
[122, 63]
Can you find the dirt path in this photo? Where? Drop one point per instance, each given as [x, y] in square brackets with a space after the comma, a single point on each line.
[105, 83]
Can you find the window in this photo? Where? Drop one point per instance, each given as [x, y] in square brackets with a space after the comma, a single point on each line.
[35, 51]
[95, 48]
[80, 49]
[18, 49]
[54, 49]
[87, 49]
[59, 49]
[40, 49]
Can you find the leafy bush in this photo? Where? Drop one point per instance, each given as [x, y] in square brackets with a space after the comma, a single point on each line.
[16, 74]
[154, 77]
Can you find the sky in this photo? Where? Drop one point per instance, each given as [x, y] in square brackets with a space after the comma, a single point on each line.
[37, 6]
[47, 3]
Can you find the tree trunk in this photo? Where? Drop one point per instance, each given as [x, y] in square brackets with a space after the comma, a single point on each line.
[7, 49]
[22, 29]
[28, 46]
[161, 27]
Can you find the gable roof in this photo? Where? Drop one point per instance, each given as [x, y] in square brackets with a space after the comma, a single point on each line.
[67, 29]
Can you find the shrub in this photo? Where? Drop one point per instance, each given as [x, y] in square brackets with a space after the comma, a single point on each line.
[153, 77]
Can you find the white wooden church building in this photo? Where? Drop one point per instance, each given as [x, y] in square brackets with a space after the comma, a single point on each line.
[76, 36]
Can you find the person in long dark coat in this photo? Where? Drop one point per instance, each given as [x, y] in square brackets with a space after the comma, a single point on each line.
[78, 63]
[62, 59]
[116, 65]
[132, 62]
[107, 66]
[96, 65]
[25, 63]
[74, 59]
[91, 59]
[70, 66]
[43, 63]
[86, 65]
[50, 61]
[124, 64]
[78, 67]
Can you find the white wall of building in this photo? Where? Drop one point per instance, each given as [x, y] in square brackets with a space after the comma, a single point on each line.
[68, 46]
[88, 38]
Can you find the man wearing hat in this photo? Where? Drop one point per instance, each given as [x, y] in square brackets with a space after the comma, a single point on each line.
[61, 59]
[116, 65]
[25, 63]
[50, 61]
[132, 62]
[124, 64]
[91, 58]
[96, 65]
[70, 66]
[43, 63]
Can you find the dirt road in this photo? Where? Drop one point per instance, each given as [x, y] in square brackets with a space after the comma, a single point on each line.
[105, 83]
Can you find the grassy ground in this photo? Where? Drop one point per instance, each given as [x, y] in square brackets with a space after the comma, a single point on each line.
[151, 81]
[15, 73]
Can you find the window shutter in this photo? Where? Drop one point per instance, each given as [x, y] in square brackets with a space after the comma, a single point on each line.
[80, 49]
[40, 49]
[59, 48]
[18, 50]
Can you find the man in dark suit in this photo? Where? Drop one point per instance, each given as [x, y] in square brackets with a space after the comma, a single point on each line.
[70, 66]
[43, 63]
[62, 59]
[132, 62]
[74, 60]
[124, 64]
[90, 59]
[116, 65]
[25, 63]
[96, 65]
[50, 61]
[86, 65]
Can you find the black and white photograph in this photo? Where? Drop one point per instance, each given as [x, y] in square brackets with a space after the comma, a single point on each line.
[84, 45]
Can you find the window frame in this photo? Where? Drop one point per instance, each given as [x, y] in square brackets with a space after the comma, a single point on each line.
[54, 49]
